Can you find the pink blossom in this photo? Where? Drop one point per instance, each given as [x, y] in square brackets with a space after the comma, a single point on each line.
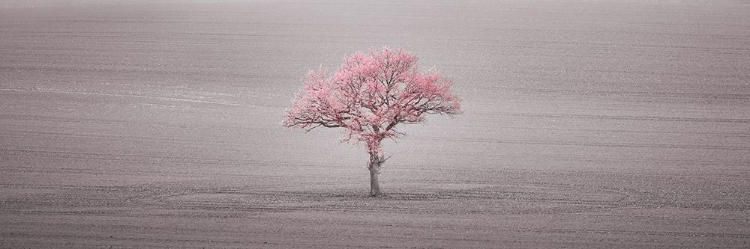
[369, 95]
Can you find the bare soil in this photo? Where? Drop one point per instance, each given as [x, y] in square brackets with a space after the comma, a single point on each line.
[587, 124]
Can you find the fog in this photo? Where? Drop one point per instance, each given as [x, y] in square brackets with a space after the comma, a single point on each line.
[586, 124]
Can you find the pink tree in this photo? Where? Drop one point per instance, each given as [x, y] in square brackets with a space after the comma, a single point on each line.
[368, 96]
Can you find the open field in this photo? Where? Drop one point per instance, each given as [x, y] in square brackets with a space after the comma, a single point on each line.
[587, 124]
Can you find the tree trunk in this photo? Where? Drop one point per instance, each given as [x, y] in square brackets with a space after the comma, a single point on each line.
[374, 172]
[374, 186]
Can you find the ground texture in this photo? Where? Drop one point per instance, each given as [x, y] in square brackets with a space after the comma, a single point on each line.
[599, 124]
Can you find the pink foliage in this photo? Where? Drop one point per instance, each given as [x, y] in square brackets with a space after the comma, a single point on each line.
[369, 95]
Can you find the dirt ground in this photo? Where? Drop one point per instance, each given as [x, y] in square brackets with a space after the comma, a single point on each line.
[587, 124]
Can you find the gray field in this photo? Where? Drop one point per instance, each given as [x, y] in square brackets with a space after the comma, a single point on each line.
[587, 124]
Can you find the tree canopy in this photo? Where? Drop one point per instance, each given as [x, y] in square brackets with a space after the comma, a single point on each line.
[369, 95]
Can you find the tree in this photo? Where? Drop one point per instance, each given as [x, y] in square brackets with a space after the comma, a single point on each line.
[368, 96]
